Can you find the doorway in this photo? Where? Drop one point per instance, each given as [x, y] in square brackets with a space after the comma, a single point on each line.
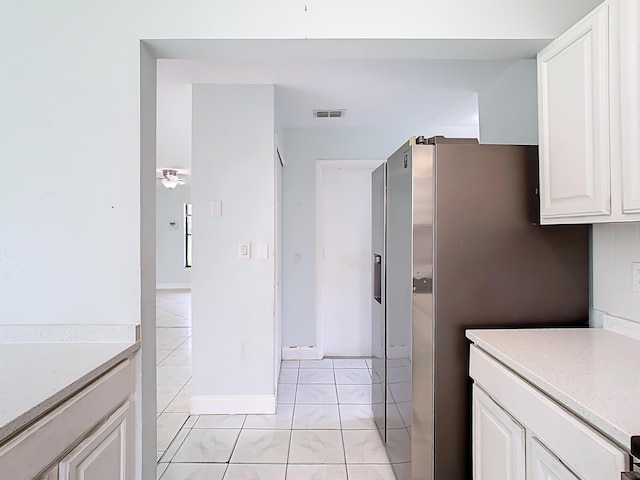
[344, 268]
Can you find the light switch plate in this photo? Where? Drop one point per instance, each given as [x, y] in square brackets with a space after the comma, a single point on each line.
[244, 250]
[635, 276]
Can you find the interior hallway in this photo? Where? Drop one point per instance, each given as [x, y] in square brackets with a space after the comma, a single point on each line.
[323, 428]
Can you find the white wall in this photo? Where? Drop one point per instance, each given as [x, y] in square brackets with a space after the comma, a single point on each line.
[508, 106]
[303, 147]
[232, 298]
[173, 121]
[71, 116]
[170, 243]
[615, 247]
[74, 131]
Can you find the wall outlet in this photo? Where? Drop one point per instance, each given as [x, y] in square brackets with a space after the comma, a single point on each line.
[216, 208]
[262, 251]
[635, 276]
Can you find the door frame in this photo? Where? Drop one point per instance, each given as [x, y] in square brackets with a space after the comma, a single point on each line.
[321, 167]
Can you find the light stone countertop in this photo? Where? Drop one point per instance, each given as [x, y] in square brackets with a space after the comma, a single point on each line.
[593, 372]
[35, 377]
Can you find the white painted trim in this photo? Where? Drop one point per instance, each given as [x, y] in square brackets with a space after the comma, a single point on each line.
[277, 260]
[321, 166]
[625, 327]
[233, 404]
[173, 286]
[295, 352]
[62, 333]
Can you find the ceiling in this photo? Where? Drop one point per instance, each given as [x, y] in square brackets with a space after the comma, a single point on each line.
[382, 83]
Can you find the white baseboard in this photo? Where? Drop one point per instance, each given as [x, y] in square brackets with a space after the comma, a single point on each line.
[69, 333]
[295, 352]
[233, 404]
[173, 286]
[622, 326]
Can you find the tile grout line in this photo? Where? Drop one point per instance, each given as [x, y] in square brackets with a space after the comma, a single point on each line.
[235, 445]
[293, 415]
[344, 445]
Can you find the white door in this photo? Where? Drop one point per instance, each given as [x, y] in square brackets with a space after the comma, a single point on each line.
[498, 441]
[345, 258]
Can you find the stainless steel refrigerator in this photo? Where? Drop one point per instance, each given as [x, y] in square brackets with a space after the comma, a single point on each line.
[459, 249]
[378, 340]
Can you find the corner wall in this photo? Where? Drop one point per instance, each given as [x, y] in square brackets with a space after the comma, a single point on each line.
[233, 298]
[508, 106]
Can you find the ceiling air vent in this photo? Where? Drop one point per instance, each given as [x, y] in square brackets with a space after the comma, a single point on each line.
[329, 113]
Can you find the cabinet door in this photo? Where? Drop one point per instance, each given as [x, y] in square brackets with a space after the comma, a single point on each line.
[543, 465]
[50, 475]
[498, 441]
[573, 87]
[630, 105]
[106, 454]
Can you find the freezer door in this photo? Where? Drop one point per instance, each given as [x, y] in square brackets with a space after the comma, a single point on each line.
[402, 239]
[378, 349]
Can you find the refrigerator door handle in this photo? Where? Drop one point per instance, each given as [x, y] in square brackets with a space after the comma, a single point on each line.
[377, 278]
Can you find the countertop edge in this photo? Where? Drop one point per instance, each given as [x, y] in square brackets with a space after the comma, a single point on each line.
[609, 430]
[36, 412]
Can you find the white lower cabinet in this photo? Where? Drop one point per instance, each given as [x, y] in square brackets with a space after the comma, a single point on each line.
[50, 475]
[498, 441]
[520, 433]
[88, 437]
[105, 454]
[544, 465]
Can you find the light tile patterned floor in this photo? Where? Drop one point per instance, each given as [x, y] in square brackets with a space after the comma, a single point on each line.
[322, 429]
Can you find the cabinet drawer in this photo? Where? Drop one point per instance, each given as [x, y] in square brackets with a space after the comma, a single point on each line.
[586, 452]
[49, 438]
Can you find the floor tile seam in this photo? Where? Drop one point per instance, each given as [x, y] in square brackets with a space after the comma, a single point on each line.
[181, 443]
[286, 468]
[233, 450]
[172, 399]
[344, 444]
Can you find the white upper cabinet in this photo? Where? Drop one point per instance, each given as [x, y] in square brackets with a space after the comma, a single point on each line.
[589, 119]
[630, 105]
[574, 116]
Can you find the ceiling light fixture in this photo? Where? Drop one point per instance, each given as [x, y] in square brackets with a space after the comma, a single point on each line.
[171, 179]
